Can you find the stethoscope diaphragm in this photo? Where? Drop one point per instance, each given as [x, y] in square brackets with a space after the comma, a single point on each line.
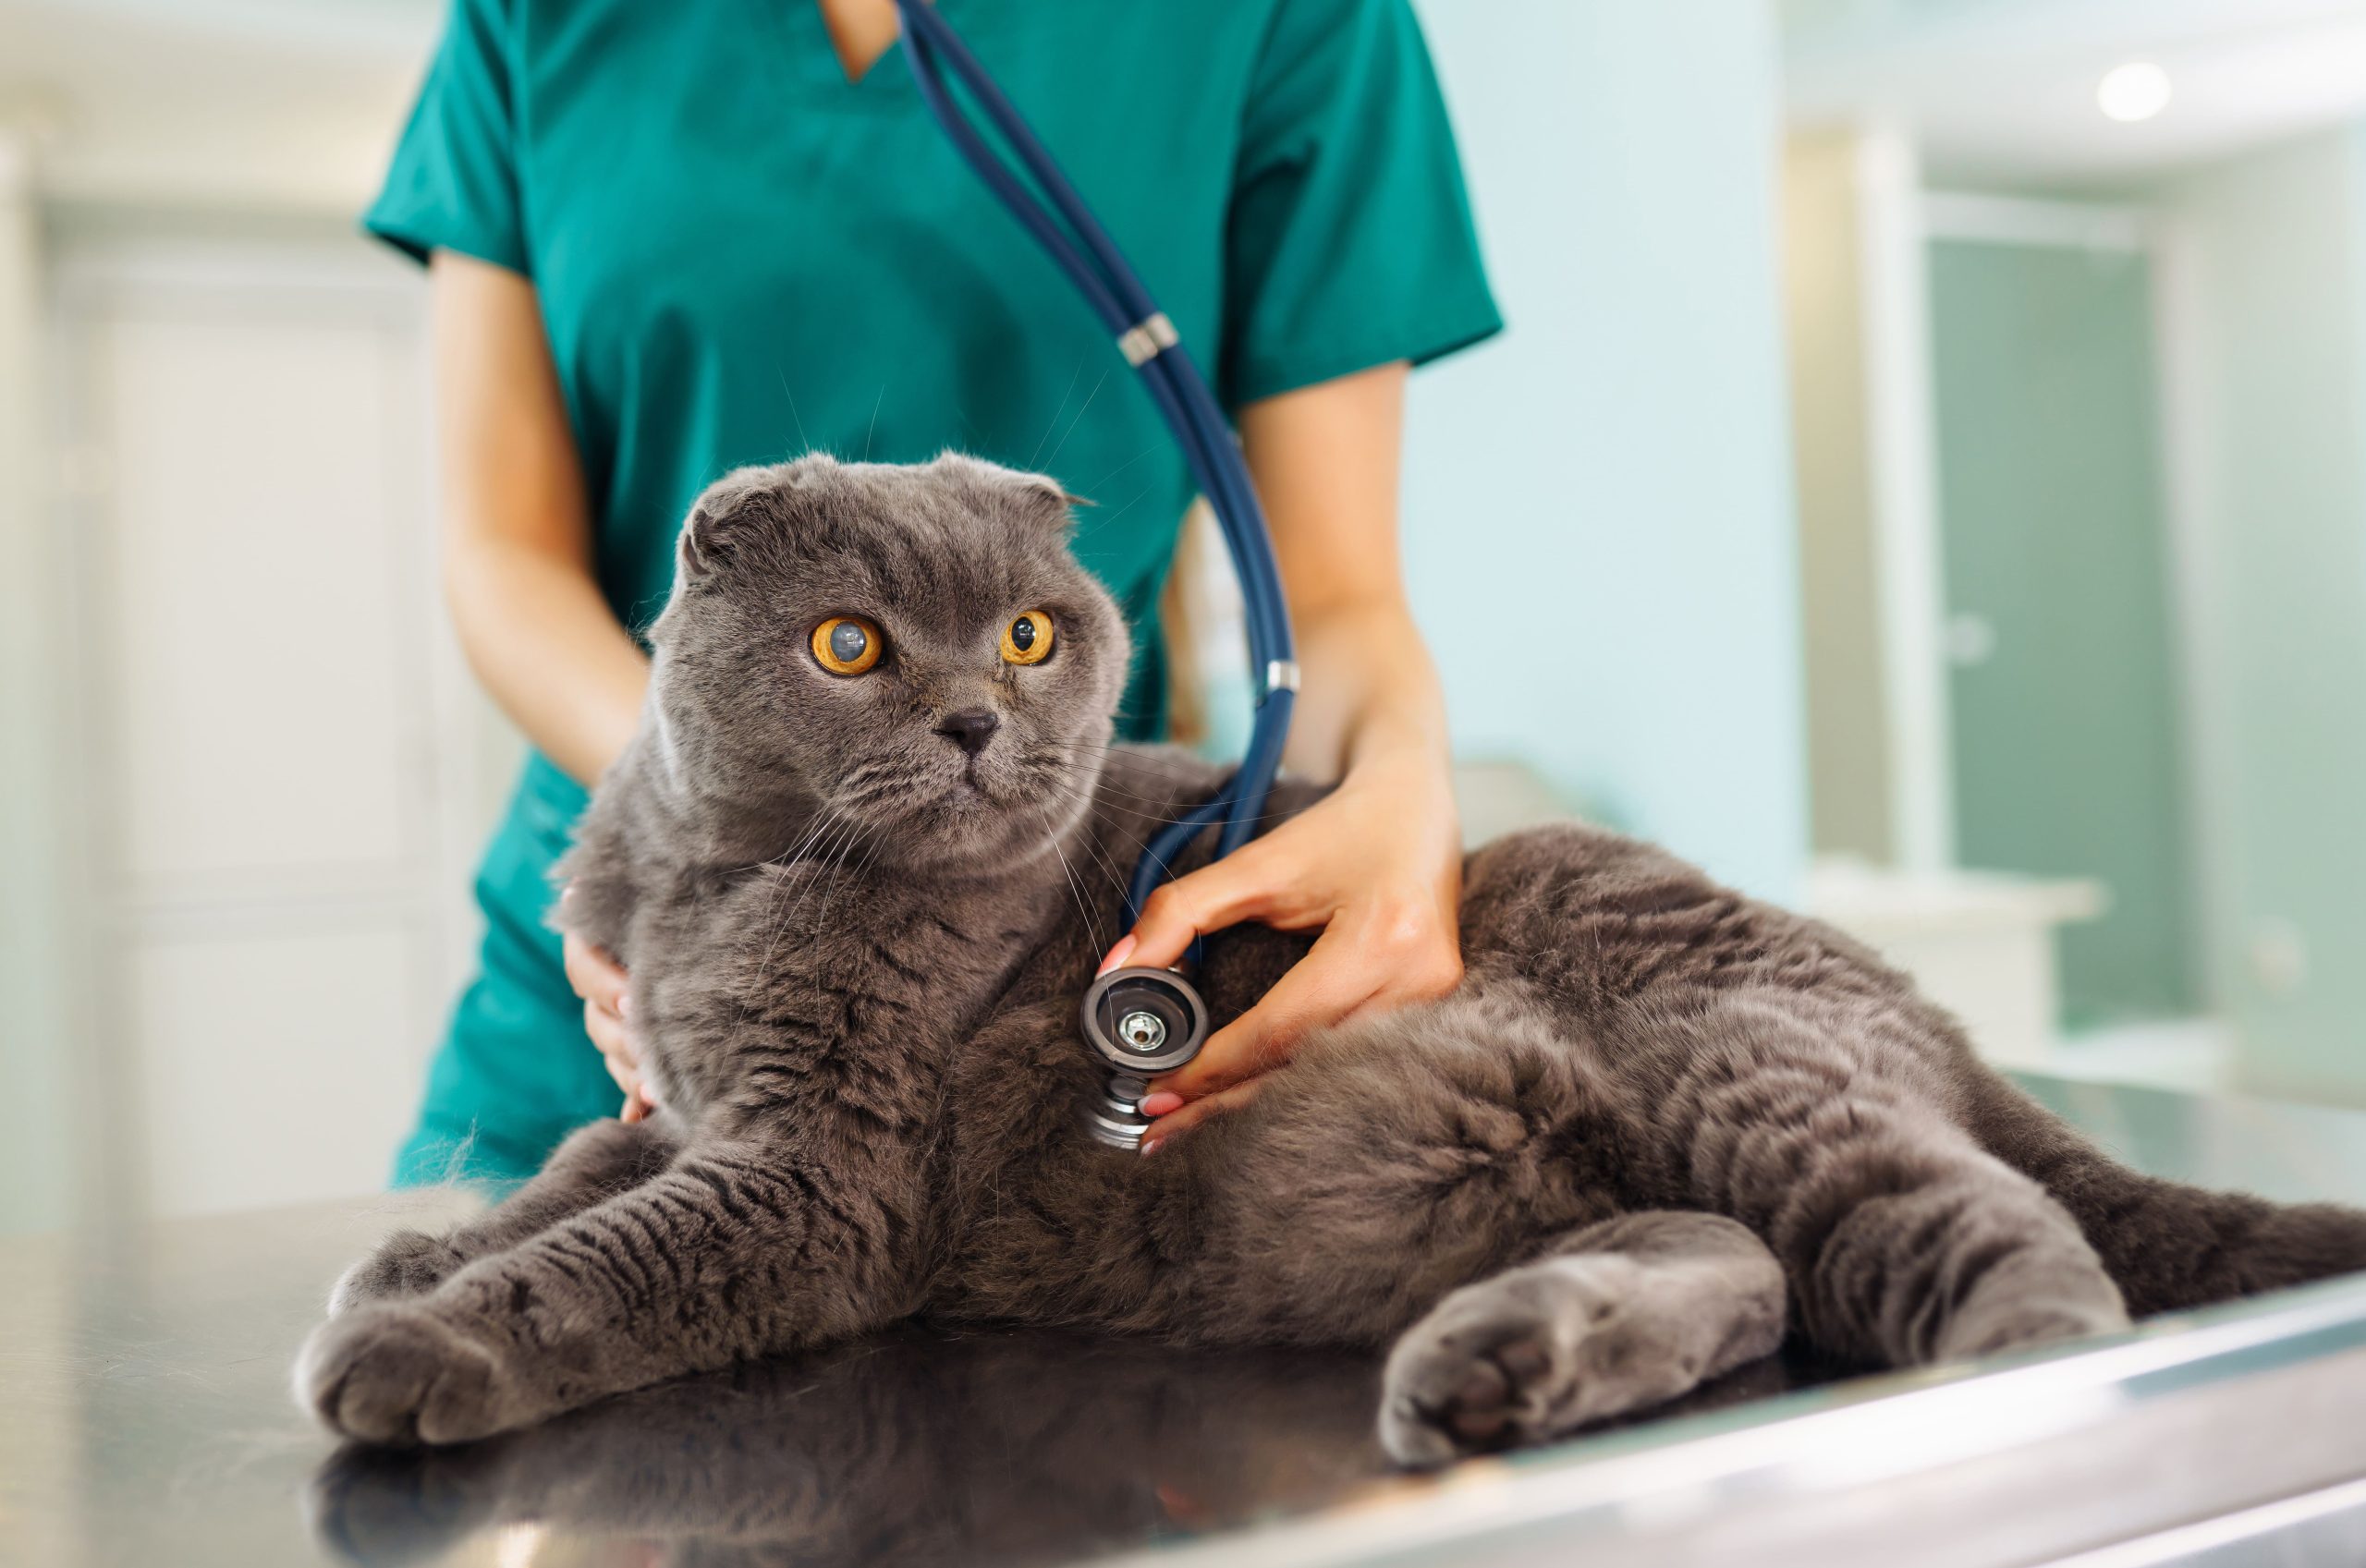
[1142, 1022]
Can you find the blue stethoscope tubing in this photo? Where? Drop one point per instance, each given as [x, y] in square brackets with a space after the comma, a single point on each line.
[1084, 250]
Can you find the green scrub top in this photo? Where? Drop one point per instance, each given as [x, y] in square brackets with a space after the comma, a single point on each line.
[740, 255]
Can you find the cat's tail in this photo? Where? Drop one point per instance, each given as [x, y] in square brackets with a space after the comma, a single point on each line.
[2167, 1244]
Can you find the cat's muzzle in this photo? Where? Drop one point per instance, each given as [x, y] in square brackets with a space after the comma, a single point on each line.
[1142, 1022]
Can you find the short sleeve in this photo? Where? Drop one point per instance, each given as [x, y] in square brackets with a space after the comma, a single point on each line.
[1351, 242]
[453, 183]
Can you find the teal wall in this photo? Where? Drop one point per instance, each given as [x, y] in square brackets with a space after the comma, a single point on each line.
[2068, 756]
[2264, 277]
[1599, 528]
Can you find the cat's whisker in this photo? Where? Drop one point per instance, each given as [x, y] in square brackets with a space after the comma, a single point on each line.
[1076, 797]
[1166, 820]
[845, 847]
[1067, 871]
[1100, 523]
[1099, 862]
[841, 833]
[803, 440]
[1080, 794]
[1133, 756]
[773, 899]
[780, 922]
[1097, 484]
[1054, 424]
[868, 774]
[1077, 420]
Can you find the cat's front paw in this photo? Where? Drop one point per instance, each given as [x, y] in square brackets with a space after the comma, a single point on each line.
[394, 1372]
[407, 1263]
[1540, 1352]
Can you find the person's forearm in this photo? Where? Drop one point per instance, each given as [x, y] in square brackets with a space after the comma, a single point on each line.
[518, 553]
[1325, 459]
[548, 649]
[1369, 693]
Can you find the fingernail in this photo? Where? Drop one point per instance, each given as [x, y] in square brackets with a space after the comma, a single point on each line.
[624, 1004]
[1117, 957]
[1161, 1103]
[1150, 1146]
[649, 1094]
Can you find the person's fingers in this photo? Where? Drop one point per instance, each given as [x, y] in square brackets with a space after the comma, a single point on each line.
[626, 1073]
[595, 977]
[611, 1035]
[635, 1109]
[1199, 1111]
[1331, 981]
[1239, 887]
[1365, 962]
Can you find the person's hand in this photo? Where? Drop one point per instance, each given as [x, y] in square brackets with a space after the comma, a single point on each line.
[599, 979]
[1377, 864]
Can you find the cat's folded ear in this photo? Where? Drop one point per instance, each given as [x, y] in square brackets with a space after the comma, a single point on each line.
[708, 537]
[1042, 493]
[736, 509]
[1053, 501]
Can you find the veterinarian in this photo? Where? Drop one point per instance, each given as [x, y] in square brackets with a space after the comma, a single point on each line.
[668, 240]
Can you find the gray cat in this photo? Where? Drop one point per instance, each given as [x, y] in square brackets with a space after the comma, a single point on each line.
[861, 859]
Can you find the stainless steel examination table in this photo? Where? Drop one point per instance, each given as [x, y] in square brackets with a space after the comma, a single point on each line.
[144, 1418]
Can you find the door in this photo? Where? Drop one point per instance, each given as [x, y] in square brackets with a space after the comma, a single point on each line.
[2055, 538]
[280, 759]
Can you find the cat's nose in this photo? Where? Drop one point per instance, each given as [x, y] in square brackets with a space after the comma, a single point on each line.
[969, 729]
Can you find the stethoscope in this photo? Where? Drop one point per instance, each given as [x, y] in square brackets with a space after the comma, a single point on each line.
[1140, 1021]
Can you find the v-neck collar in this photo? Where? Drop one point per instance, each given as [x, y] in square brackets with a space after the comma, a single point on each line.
[812, 54]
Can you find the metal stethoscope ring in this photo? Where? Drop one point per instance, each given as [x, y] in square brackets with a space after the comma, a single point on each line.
[1142, 1022]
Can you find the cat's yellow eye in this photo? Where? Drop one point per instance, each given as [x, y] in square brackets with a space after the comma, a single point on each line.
[847, 645]
[1028, 638]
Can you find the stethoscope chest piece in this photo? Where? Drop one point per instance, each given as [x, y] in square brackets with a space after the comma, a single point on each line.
[1142, 1022]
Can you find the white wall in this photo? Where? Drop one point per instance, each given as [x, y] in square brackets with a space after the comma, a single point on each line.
[1599, 526]
[1833, 435]
[36, 988]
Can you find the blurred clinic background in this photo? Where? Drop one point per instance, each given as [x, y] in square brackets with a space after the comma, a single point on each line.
[1925, 479]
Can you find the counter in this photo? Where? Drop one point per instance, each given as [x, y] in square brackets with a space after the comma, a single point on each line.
[144, 1418]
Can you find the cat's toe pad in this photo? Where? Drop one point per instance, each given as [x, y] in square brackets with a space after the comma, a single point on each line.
[393, 1373]
[1532, 1354]
[1481, 1408]
[405, 1263]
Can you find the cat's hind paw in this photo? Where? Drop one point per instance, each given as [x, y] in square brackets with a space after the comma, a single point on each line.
[394, 1373]
[407, 1263]
[1542, 1351]
[2017, 1313]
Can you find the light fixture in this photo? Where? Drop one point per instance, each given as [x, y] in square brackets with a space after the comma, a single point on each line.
[2134, 92]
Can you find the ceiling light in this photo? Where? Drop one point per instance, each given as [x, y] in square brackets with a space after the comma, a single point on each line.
[2134, 92]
